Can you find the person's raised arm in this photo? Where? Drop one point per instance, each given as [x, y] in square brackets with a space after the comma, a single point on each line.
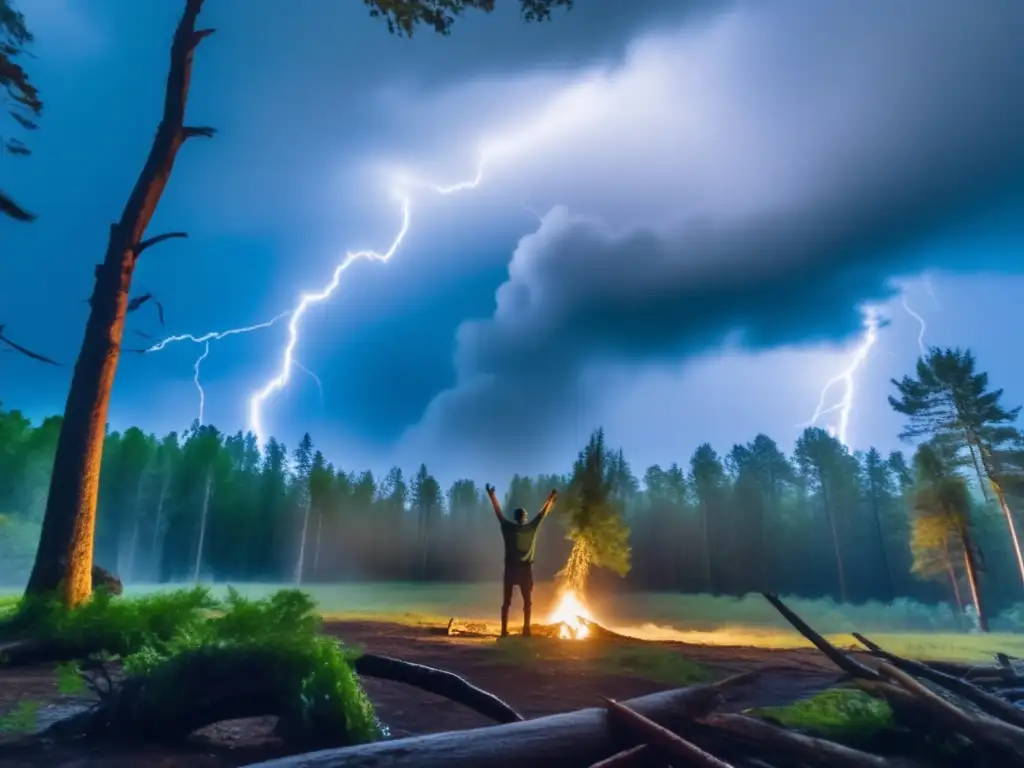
[547, 505]
[494, 503]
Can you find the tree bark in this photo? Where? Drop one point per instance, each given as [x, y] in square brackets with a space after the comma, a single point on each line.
[953, 582]
[70, 519]
[570, 740]
[971, 567]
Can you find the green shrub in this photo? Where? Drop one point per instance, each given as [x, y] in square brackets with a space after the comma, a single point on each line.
[314, 673]
[114, 625]
[22, 719]
[183, 639]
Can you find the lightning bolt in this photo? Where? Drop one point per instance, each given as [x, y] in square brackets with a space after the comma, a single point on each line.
[319, 384]
[205, 340]
[199, 386]
[847, 379]
[214, 335]
[306, 300]
[923, 327]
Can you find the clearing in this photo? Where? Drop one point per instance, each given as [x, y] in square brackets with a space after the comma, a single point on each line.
[541, 676]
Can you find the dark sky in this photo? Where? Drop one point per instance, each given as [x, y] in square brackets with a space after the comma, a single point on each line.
[684, 212]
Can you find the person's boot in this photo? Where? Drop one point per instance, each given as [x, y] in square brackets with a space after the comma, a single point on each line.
[526, 619]
[504, 621]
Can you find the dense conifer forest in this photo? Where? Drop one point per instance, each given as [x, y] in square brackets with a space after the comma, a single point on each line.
[819, 522]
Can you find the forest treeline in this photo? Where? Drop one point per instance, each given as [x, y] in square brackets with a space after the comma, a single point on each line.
[823, 521]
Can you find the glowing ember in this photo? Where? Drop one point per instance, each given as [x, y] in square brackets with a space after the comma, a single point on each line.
[568, 614]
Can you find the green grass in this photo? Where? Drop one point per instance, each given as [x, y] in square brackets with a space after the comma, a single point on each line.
[903, 627]
[847, 715]
[650, 662]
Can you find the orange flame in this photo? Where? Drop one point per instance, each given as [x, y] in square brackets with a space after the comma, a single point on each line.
[569, 613]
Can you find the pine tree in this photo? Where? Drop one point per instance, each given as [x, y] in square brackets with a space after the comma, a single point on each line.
[821, 459]
[942, 523]
[22, 97]
[595, 517]
[321, 480]
[879, 493]
[303, 458]
[951, 404]
[708, 479]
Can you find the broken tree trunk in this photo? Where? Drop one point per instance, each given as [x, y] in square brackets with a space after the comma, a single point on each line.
[70, 519]
[571, 740]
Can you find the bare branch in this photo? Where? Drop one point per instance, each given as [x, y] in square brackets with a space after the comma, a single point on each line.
[627, 758]
[201, 34]
[846, 663]
[151, 241]
[671, 744]
[192, 131]
[10, 208]
[24, 351]
[138, 301]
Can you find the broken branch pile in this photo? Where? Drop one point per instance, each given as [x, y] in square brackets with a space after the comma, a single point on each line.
[944, 715]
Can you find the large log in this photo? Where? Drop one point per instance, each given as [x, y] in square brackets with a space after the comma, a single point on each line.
[571, 740]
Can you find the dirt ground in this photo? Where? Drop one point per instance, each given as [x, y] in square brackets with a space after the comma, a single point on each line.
[535, 688]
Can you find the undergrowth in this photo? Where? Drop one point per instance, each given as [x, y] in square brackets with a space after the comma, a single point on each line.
[846, 715]
[167, 636]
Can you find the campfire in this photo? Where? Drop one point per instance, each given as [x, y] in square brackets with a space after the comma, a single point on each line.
[571, 615]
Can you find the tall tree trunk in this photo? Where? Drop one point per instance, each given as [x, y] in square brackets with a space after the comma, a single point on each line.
[158, 520]
[953, 582]
[316, 547]
[982, 479]
[70, 520]
[882, 549]
[991, 474]
[835, 541]
[202, 524]
[137, 514]
[302, 544]
[971, 567]
[706, 534]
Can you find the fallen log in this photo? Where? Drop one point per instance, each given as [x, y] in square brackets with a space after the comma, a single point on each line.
[430, 679]
[806, 750]
[674, 746]
[571, 740]
[437, 681]
[983, 700]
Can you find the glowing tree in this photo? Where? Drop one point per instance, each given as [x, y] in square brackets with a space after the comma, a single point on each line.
[941, 527]
[595, 525]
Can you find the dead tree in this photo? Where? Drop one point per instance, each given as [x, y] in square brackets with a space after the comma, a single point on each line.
[69, 523]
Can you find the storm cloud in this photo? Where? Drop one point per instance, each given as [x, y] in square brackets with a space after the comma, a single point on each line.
[794, 157]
